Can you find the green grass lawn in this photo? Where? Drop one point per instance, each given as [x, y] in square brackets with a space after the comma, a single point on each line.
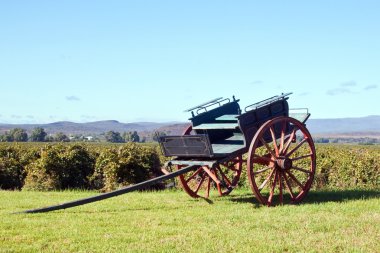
[170, 221]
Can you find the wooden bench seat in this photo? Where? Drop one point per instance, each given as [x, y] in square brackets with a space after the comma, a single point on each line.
[302, 117]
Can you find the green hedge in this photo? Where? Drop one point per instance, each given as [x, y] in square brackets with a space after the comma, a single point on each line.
[108, 167]
[128, 164]
[76, 166]
[344, 166]
[60, 167]
[13, 161]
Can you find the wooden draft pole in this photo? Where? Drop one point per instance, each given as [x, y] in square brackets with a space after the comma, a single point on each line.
[115, 193]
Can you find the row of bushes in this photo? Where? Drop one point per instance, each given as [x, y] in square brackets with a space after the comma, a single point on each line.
[345, 166]
[105, 167]
[65, 166]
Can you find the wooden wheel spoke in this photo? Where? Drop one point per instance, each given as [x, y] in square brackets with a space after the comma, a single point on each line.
[272, 188]
[266, 180]
[235, 165]
[215, 171]
[208, 187]
[301, 157]
[194, 174]
[218, 184]
[296, 180]
[233, 168]
[200, 183]
[287, 141]
[300, 169]
[263, 160]
[296, 147]
[281, 196]
[267, 147]
[291, 137]
[262, 170]
[287, 184]
[211, 175]
[225, 177]
[274, 140]
[282, 139]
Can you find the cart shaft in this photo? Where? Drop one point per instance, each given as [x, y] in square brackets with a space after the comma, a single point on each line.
[135, 187]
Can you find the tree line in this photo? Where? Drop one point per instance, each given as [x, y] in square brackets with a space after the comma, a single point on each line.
[358, 140]
[116, 137]
[39, 134]
[20, 135]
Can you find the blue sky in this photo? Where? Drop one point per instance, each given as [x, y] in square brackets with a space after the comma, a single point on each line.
[134, 61]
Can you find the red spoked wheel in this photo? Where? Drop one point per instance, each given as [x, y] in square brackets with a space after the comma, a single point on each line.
[281, 162]
[205, 181]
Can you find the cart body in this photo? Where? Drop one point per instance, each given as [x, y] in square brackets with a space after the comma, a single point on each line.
[224, 130]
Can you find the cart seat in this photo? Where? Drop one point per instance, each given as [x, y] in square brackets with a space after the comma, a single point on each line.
[302, 117]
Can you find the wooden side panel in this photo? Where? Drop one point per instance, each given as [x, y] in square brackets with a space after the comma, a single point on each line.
[186, 146]
[251, 121]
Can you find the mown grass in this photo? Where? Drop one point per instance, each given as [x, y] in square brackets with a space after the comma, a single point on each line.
[170, 221]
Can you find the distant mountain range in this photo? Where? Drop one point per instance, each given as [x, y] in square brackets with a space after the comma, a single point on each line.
[364, 126]
[96, 127]
[356, 126]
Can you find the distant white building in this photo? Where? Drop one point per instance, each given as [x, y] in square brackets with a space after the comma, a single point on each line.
[89, 138]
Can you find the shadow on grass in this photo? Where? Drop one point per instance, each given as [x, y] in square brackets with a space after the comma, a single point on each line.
[316, 197]
[246, 198]
[313, 197]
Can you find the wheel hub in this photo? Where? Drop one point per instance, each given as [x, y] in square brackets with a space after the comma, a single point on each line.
[284, 163]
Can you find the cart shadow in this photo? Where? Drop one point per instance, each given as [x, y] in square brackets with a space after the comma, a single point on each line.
[246, 198]
[313, 197]
[318, 197]
[209, 201]
[340, 196]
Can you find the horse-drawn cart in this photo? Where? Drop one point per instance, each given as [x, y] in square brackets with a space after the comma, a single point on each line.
[274, 144]
[267, 138]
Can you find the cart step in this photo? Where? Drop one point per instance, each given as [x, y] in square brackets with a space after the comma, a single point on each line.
[210, 126]
[236, 137]
[228, 117]
[225, 149]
